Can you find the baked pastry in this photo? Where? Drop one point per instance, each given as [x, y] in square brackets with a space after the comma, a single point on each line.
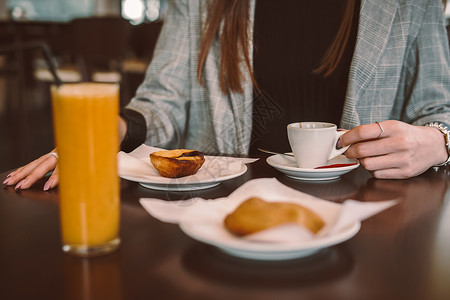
[255, 214]
[177, 163]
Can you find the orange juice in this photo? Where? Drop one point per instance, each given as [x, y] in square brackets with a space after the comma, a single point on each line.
[87, 141]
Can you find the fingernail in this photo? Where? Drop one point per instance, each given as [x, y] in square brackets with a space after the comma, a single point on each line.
[19, 185]
[339, 144]
[48, 184]
[8, 178]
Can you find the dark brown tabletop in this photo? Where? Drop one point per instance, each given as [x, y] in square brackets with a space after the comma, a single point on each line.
[401, 253]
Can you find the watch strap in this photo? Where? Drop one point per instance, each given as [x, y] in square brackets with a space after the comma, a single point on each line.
[446, 133]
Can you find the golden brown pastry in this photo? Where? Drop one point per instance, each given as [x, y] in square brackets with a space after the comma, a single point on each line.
[255, 214]
[177, 163]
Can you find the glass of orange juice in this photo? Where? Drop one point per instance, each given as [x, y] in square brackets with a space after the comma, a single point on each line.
[85, 117]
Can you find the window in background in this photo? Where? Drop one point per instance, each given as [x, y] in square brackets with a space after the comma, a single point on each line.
[141, 11]
[50, 10]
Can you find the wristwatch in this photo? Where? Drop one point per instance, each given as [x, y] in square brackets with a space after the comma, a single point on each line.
[443, 129]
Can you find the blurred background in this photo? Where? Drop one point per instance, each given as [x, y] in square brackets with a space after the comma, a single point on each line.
[98, 40]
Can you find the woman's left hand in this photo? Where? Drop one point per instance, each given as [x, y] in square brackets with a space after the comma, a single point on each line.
[395, 149]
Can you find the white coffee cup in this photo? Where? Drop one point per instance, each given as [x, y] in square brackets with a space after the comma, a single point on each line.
[314, 143]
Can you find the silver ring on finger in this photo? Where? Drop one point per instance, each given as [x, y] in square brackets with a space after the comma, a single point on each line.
[53, 154]
[382, 130]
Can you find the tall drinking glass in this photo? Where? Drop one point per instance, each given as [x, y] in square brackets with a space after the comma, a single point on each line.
[85, 119]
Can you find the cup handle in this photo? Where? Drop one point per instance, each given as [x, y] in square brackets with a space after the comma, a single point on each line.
[336, 152]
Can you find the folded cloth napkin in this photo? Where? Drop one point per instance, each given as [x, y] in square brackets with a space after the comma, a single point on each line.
[209, 214]
[137, 165]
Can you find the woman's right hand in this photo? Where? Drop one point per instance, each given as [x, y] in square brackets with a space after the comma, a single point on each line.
[24, 177]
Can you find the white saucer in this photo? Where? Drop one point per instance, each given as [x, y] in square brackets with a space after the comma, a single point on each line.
[288, 166]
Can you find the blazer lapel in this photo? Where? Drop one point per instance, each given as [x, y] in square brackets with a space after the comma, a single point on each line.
[375, 23]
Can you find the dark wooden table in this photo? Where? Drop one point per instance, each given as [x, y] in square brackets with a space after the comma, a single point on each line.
[401, 253]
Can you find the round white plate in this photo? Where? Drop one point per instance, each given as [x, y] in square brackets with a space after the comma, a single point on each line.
[205, 224]
[188, 183]
[288, 166]
[136, 166]
[179, 187]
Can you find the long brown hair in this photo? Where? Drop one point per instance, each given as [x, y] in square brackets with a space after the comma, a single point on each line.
[333, 56]
[233, 38]
[235, 41]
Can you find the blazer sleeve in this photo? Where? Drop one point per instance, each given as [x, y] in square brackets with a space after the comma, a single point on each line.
[428, 70]
[161, 101]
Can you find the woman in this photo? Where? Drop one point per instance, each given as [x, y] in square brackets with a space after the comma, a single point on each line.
[378, 68]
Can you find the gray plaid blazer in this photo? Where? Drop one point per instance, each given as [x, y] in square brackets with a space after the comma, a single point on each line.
[400, 70]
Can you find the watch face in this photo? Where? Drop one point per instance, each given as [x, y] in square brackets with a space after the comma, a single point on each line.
[447, 139]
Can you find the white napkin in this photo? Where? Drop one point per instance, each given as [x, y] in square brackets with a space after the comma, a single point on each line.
[210, 213]
[137, 165]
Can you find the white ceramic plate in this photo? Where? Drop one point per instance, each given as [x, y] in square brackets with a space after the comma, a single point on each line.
[288, 166]
[188, 183]
[205, 224]
[136, 166]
